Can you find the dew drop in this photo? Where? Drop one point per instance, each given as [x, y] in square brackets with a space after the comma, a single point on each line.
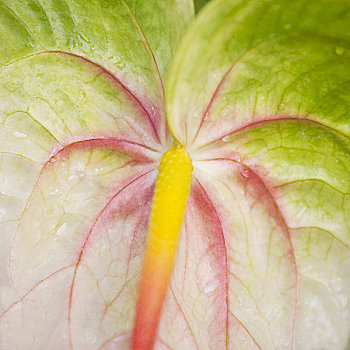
[210, 288]
[3, 213]
[339, 50]
[301, 212]
[225, 139]
[62, 230]
[90, 338]
[55, 191]
[117, 61]
[337, 284]
[83, 37]
[19, 134]
[245, 172]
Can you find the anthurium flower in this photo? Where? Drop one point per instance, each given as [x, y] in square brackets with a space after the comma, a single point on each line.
[250, 121]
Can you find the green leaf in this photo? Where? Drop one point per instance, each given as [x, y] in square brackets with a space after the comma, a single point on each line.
[278, 60]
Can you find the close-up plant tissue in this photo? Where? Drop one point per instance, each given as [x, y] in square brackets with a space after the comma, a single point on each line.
[175, 175]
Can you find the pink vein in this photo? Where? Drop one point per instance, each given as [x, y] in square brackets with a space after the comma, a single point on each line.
[213, 98]
[120, 336]
[144, 37]
[82, 250]
[112, 142]
[137, 103]
[217, 90]
[126, 273]
[148, 47]
[225, 252]
[282, 221]
[108, 142]
[258, 123]
[183, 315]
[36, 285]
[246, 329]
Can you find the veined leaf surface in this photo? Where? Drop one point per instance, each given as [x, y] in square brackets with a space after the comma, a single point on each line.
[258, 94]
[82, 127]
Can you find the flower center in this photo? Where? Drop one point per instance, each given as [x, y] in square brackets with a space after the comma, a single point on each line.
[169, 203]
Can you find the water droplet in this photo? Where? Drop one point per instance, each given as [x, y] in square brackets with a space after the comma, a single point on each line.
[120, 65]
[301, 212]
[195, 115]
[210, 287]
[55, 191]
[339, 50]
[225, 139]
[62, 230]
[338, 284]
[245, 172]
[70, 42]
[31, 44]
[83, 37]
[19, 134]
[90, 338]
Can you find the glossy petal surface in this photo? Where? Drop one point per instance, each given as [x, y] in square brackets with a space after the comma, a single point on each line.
[82, 127]
[259, 94]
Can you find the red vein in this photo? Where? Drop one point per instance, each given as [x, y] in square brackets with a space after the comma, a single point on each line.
[184, 317]
[225, 253]
[161, 340]
[148, 47]
[126, 282]
[263, 122]
[213, 98]
[109, 142]
[36, 285]
[117, 81]
[120, 336]
[217, 90]
[115, 298]
[282, 222]
[246, 329]
[82, 250]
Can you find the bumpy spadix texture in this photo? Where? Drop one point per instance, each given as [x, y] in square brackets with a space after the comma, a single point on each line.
[168, 208]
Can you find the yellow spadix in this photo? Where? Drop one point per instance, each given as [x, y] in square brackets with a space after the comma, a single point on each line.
[169, 203]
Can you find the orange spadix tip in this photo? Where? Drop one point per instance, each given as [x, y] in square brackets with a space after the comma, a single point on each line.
[169, 203]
